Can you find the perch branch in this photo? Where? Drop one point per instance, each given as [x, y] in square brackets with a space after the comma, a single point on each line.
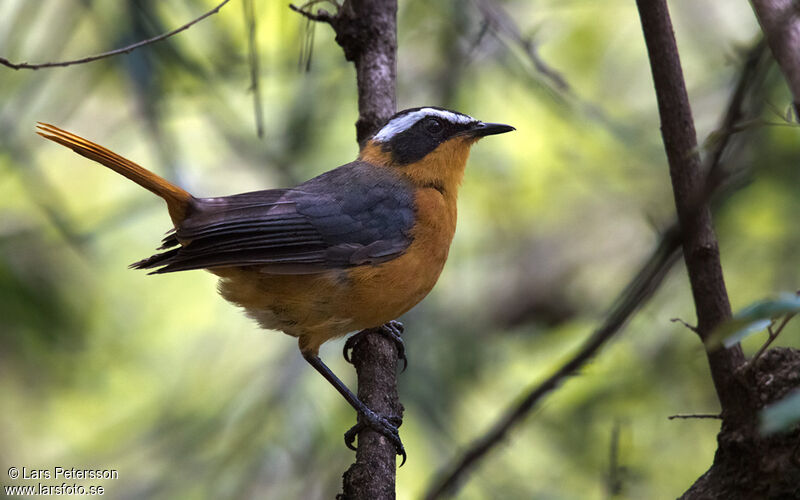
[367, 32]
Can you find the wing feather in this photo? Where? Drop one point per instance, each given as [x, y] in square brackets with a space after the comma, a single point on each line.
[336, 220]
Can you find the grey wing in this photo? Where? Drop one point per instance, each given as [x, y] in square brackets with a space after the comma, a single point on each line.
[334, 221]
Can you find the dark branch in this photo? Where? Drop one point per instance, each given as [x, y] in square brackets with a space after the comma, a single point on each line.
[680, 142]
[367, 32]
[123, 50]
[700, 247]
[664, 255]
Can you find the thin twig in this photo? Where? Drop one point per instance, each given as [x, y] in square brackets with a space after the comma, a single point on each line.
[773, 334]
[501, 23]
[556, 87]
[687, 416]
[734, 120]
[123, 50]
[479, 37]
[322, 16]
[252, 56]
[615, 479]
[307, 47]
[635, 294]
[682, 322]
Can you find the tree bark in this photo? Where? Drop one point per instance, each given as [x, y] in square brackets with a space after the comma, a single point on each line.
[367, 32]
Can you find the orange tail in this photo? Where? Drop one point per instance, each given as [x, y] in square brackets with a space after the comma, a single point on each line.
[177, 199]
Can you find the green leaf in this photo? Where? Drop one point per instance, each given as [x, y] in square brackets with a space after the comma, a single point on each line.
[782, 415]
[744, 330]
[771, 308]
[754, 318]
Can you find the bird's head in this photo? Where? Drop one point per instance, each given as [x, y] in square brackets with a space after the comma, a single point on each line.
[429, 145]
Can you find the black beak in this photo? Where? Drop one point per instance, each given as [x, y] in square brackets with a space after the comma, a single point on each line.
[482, 129]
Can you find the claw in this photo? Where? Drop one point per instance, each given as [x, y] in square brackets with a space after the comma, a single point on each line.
[350, 344]
[392, 330]
[397, 326]
[382, 425]
[350, 436]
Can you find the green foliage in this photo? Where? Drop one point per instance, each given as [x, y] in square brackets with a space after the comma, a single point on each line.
[782, 415]
[754, 318]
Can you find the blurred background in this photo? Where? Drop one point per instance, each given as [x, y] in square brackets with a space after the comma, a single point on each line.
[159, 378]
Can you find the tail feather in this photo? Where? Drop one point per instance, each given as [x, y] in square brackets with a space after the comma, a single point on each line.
[177, 199]
[156, 260]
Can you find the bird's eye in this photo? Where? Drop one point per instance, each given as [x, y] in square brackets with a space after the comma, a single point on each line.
[433, 125]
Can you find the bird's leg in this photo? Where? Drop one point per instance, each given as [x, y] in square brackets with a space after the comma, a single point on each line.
[391, 330]
[368, 418]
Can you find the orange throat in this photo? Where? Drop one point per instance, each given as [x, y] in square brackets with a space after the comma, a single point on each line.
[441, 169]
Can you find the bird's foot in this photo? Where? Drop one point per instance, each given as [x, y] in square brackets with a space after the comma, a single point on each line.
[393, 330]
[387, 427]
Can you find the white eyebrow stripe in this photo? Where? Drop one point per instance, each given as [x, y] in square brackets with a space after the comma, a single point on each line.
[406, 121]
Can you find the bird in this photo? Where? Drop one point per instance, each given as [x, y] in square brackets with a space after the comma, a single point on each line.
[351, 249]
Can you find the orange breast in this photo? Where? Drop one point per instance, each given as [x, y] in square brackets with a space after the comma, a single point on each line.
[318, 307]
